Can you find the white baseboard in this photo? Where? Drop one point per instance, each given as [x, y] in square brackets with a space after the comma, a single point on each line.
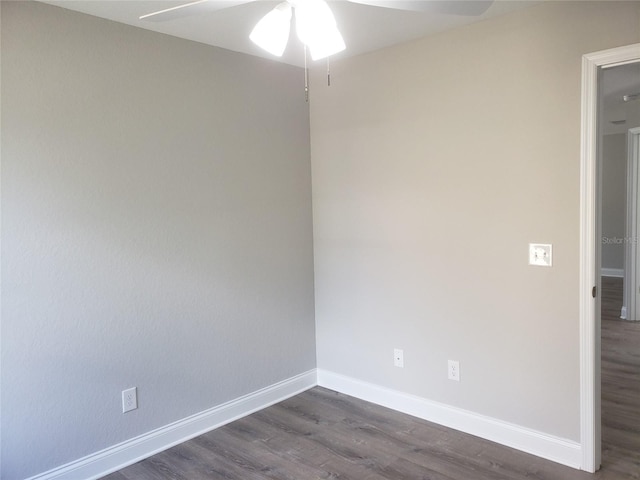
[612, 272]
[119, 456]
[552, 448]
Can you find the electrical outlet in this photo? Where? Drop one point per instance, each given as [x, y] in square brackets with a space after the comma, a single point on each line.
[398, 357]
[129, 399]
[454, 370]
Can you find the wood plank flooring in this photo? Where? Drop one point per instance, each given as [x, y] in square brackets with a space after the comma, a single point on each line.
[620, 385]
[321, 434]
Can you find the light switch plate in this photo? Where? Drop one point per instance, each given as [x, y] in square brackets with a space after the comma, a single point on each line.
[540, 254]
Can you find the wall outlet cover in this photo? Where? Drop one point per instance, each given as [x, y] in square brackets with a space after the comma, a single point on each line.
[129, 399]
[453, 370]
[398, 357]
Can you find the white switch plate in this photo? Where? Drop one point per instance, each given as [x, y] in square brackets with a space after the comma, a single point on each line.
[398, 357]
[540, 254]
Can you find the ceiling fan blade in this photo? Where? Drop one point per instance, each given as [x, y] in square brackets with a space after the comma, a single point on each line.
[271, 33]
[191, 8]
[468, 8]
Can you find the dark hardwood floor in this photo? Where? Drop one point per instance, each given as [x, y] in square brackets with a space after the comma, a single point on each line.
[321, 434]
[620, 385]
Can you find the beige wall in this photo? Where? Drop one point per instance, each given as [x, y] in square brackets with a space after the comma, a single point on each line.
[614, 199]
[633, 114]
[434, 164]
[156, 231]
[614, 161]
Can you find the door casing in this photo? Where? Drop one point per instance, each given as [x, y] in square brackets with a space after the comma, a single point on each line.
[631, 259]
[590, 388]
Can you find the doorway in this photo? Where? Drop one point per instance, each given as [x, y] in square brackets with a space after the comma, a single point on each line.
[590, 252]
[619, 129]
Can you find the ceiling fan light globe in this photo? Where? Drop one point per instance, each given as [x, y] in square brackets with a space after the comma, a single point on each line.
[331, 43]
[316, 27]
[271, 33]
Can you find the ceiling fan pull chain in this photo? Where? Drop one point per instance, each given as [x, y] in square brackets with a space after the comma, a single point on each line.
[328, 73]
[306, 75]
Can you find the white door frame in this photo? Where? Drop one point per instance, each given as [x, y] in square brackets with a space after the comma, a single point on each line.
[590, 423]
[631, 267]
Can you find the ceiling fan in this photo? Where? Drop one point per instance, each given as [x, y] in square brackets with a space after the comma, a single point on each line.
[315, 24]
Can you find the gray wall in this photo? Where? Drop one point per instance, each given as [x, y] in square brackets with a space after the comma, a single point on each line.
[434, 164]
[156, 231]
[614, 199]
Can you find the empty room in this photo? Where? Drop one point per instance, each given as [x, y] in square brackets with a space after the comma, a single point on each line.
[373, 245]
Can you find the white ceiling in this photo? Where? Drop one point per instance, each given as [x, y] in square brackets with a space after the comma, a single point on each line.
[365, 28]
[616, 83]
